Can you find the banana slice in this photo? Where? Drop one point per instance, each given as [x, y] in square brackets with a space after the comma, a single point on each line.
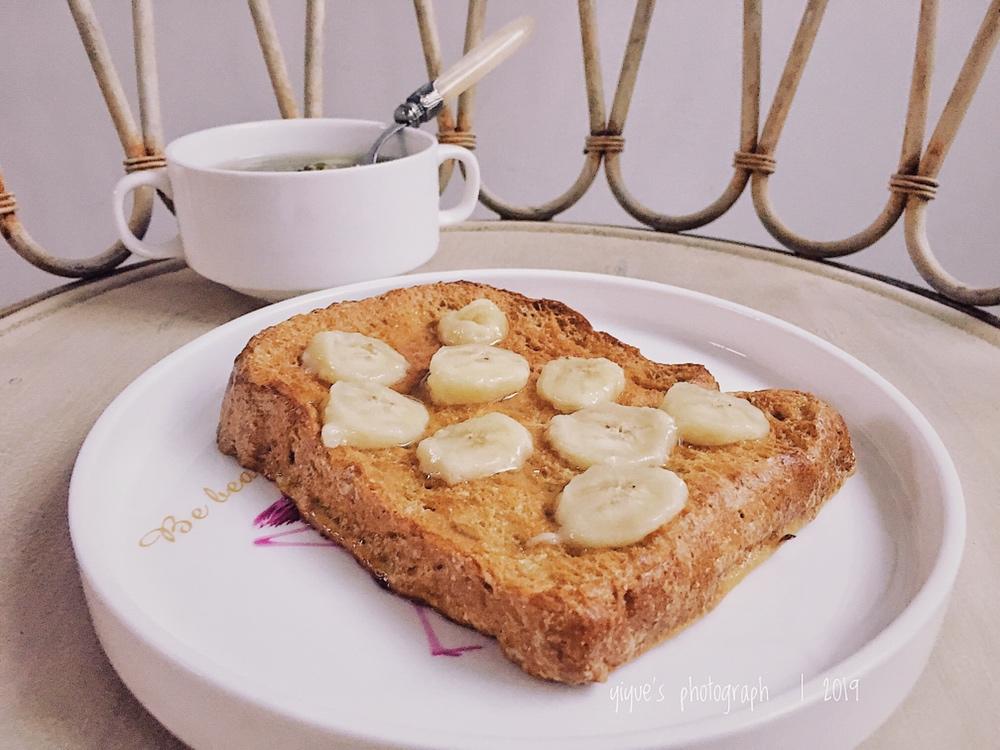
[613, 434]
[571, 383]
[479, 322]
[476, 448]
[611, 506]
[707, 417]
[342, 355]
[475, 374]
[368, 415]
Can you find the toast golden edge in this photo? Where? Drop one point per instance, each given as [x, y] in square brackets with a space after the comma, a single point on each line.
[548, 635]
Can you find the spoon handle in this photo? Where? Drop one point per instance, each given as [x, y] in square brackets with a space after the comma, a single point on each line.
[425, 102]
[484, 57]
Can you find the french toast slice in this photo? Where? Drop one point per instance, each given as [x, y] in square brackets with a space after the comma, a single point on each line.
[570, 615]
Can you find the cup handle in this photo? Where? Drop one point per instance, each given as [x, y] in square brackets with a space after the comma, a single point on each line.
[156, 178]
[470, 196]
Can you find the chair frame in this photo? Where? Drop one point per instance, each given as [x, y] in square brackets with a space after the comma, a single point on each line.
[911, 187]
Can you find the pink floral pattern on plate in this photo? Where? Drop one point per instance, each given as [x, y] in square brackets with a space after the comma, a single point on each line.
[283, 512]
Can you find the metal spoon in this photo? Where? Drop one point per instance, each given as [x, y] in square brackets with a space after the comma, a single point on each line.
[425, 102]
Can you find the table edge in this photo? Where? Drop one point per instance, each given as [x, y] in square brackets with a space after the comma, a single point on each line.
[144, 269]
[927, 293]
[104, 282]
[651, 235]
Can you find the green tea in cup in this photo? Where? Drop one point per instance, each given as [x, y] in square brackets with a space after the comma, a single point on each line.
[298, 162]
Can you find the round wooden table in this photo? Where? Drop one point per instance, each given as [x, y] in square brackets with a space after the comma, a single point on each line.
[65, 356]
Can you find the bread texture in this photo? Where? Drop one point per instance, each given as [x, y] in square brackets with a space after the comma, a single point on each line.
[570, 615]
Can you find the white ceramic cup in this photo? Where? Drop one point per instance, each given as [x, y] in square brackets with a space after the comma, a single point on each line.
[277, 234]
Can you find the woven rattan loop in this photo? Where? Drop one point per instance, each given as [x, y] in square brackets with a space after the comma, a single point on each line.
[604, 143]
[914, 184]
[752, 162]
[139, 163]
[465, 139]
[7, 204]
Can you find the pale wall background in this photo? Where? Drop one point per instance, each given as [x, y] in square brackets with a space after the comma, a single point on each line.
[61, 157]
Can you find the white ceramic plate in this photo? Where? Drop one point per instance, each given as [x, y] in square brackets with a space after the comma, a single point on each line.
[241, 635]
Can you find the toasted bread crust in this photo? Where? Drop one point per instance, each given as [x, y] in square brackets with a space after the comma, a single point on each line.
[564, 615]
